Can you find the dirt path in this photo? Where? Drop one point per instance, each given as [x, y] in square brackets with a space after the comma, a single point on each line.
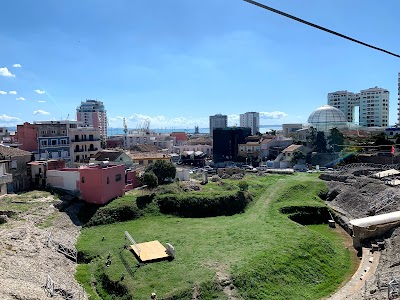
[353, 289]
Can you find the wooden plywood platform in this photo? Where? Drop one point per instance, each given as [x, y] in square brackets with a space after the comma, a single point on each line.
[149, 251]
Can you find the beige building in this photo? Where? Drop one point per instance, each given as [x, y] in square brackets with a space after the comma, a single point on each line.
[84, 142]
[146, 158]
[249, 149]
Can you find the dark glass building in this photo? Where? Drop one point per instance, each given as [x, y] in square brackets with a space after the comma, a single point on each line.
[226, 141]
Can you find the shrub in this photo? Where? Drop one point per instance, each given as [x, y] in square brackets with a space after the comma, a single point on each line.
[243, 185]
[119, 212]
[150, 179]
[198, 205]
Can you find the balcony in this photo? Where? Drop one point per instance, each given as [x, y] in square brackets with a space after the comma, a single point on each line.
[88, 150]
[5, 178]
[54, 146]
[85, 140]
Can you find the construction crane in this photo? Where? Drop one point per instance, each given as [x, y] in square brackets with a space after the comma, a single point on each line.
[125, 134]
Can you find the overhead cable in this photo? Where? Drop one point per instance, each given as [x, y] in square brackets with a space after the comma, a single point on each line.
[320, 27]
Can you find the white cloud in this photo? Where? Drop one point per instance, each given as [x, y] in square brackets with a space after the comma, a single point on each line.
[3, 93]
[20, 99]
[5, 72]
[17, 66]
[41, 101]
[8, 119]
[187, 122]
[40, 112]
[12, 92]
[137, 120]
[273, 115]
[40, 92]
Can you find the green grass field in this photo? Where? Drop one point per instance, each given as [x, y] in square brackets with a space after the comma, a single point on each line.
[267, 255]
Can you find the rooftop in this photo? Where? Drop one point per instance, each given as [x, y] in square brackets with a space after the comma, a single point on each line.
[10, 151]
[292, 148]
[110, 155]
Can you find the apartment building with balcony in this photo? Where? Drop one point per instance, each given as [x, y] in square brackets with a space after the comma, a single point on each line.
[84, 142]
[53, 139]
[372, 105]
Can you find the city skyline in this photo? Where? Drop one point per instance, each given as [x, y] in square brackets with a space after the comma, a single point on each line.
[149, 63]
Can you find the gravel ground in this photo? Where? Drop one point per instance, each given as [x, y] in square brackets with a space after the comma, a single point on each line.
[25, 259]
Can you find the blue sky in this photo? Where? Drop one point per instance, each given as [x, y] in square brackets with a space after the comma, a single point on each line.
[178, 62]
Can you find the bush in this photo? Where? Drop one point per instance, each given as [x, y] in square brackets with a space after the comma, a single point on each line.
[197, 206]
[112, 213]
[243, 185]
[150, 179]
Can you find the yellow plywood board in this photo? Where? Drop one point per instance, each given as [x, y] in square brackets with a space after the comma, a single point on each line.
[153, 250]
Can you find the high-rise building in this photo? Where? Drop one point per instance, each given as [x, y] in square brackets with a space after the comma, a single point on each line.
[93, 113]
[218, 121]
[374, 107]
[372, 103]
[250, 120]
[346, 101]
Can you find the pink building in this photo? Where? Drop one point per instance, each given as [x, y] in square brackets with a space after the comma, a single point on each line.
[27, 135]
[101, 183]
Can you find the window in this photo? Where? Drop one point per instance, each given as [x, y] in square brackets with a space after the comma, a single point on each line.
[43, 143]
[53, 131]
[118, 177]
[63, 142]
[83, 179]
[54, 142]
[108, 180]
[13, 164]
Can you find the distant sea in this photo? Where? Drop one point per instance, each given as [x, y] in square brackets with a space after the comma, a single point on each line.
[120, 131]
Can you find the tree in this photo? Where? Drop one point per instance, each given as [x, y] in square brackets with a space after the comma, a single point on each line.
[297, 156]
[380, 140]
[311, 135]
[336, 139]
[320, 142]
[163, 170]
[150, 179]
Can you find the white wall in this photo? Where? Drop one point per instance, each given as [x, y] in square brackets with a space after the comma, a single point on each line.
[67, 180]
[182, 174]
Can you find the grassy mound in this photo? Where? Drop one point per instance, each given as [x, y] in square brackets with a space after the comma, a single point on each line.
[200, 205]
[268, 255]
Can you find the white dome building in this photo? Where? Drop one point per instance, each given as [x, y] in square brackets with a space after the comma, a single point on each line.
[327, 117]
